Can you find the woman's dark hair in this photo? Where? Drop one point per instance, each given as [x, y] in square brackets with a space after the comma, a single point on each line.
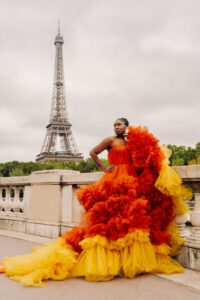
[125, 121]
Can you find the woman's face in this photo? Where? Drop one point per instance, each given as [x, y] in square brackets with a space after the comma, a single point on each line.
[119, 127]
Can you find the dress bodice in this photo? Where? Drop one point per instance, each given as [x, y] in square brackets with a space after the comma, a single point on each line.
[119, 155]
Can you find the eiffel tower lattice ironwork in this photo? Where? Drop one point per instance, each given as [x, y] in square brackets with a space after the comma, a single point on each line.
[59, 142]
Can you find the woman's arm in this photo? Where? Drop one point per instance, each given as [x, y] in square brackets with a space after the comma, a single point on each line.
[100, 148]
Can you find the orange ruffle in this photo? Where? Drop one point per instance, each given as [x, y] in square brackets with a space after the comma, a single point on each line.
[126, 199]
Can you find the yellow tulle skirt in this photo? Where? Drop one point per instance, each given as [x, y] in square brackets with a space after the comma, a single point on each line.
[100, 260]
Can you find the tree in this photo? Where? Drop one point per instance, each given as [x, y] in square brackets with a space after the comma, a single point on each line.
[88, 165]
[182, 155]
[16, 172]
[177, 162]
[197, 147]
[16, 168]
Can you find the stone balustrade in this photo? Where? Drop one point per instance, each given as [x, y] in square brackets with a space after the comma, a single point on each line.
[43, 203]
[11, 200]
[190, 252]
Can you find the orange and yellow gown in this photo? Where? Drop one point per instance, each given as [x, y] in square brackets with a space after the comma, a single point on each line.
[128, 223]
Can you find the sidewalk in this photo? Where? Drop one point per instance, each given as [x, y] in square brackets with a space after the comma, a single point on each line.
[162, 287]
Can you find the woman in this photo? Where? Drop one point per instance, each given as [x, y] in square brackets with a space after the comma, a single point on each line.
[120, 127]
[128, 223]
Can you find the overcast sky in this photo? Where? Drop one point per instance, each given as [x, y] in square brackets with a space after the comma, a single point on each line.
[122, 58]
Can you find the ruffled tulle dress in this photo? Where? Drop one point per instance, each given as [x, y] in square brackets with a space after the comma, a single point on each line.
[127, 226]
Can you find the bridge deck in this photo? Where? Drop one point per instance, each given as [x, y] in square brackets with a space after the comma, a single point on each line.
[176, 286]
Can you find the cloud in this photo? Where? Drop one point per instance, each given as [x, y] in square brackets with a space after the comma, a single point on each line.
[134, 59]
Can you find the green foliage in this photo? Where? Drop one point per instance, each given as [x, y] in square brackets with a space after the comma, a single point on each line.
[6, 168]
[16, 168]
[88, 165]
[178, 162]
[16, 172]
[195, 161]
[197, 147]
[182, 155]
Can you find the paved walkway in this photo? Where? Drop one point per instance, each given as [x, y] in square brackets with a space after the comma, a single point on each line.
[164, 287]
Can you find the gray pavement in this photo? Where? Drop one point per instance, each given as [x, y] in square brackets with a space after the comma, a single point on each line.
[176, 286]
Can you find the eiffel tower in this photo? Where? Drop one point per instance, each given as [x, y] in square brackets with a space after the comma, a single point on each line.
[59, 142]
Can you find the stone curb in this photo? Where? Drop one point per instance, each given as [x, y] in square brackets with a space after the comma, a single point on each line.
[189, 278]
[25, 236]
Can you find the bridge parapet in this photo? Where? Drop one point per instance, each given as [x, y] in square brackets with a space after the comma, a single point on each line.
[43, 203]
[189, 255]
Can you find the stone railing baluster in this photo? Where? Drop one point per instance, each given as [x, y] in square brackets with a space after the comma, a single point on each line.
[194, 239]
[180, 221]
[21, 203]
[8, 202]
[3, 199]
[12, 200]
[16, 201]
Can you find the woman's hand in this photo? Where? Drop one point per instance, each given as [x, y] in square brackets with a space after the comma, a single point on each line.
[110, 168]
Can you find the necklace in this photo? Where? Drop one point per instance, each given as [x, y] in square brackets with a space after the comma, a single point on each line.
[121, 137]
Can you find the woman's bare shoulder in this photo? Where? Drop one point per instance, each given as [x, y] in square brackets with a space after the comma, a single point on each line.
[107, 142]
[104, 144]
[108, 139]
